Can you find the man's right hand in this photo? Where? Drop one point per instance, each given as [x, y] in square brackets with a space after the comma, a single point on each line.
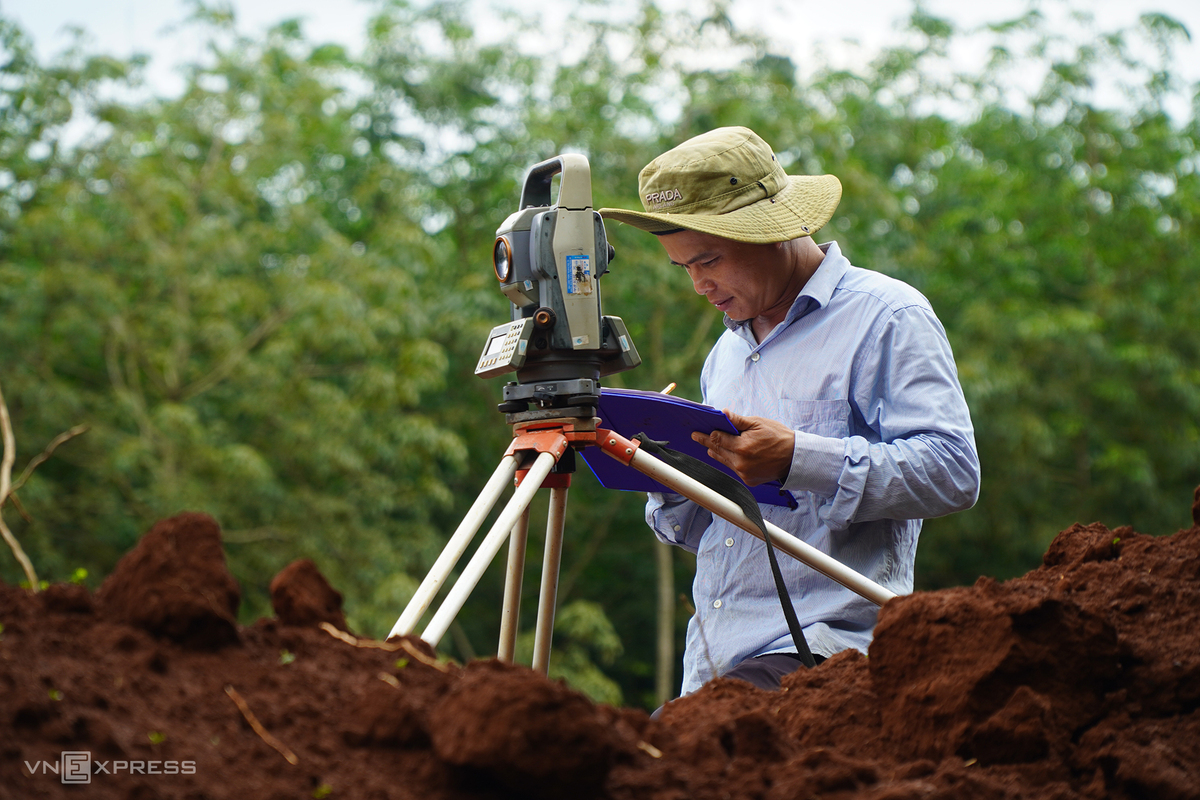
[760, 454]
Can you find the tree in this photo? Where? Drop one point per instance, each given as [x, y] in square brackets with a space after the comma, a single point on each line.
[214, 287]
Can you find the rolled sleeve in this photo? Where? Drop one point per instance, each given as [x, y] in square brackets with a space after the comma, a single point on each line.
[915, 457]
[817, 463]
[676, 520]
[909, 449]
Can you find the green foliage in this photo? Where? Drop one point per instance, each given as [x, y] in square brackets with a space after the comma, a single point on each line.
[584, 642]
[241, 336]
[266, 295]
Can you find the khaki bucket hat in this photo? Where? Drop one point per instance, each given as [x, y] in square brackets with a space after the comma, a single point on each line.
[728, 183]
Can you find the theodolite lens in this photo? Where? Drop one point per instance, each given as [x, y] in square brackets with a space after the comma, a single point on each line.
[502, 259]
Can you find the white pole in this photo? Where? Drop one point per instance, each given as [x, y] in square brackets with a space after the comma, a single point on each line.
[455, 548]
[510, 613]
[488, 549]
[548, 599]
[784, 541]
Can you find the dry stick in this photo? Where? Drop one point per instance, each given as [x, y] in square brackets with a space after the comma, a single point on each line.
[6, 464]
[393, 647]
[424, 659]
[263, 733]
[649, 749]
[8, 489]
[43, 457]
[16, 501]
[19, 553]
[350, 640]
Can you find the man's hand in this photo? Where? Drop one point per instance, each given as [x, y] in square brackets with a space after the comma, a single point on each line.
[762, 453]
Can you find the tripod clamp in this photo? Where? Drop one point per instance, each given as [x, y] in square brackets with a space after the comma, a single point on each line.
[558, 436]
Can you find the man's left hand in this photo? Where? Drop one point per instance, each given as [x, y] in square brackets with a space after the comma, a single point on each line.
[762, 453]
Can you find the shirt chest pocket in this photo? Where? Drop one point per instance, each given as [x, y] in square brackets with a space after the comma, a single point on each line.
[822, 417]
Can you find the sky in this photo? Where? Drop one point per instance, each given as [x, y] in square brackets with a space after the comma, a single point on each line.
[846, 31]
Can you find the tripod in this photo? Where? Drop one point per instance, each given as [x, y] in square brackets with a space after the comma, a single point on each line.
[540, 442]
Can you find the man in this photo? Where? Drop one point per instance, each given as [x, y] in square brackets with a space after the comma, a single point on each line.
[842, 385]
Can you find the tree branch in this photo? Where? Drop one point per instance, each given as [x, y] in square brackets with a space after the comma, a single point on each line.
[41, 459]
[16, 501]
[8, 489]
[6, 464]
[251, 535]
[222, 370]
[116, 375]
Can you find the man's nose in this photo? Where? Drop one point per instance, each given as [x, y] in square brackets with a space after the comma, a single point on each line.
[701, 284]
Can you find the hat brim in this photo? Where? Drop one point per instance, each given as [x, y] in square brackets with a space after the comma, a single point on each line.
[799, 209]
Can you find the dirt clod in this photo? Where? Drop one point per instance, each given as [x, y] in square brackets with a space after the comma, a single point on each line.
[300, 595]
[175, 583]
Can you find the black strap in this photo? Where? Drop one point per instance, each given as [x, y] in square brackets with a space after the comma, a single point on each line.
[735, 490]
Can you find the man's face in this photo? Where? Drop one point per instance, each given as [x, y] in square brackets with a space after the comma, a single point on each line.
[743, 280]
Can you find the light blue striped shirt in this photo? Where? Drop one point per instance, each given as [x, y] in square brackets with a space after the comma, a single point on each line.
[861, 370]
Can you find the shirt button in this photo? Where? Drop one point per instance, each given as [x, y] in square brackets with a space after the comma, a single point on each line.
[678, 528]
[755, 357]
[716, 603]
[729, 542]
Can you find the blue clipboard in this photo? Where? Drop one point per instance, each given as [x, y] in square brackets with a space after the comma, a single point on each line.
[663, 417]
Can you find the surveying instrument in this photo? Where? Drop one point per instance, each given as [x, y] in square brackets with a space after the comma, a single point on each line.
[548, 259]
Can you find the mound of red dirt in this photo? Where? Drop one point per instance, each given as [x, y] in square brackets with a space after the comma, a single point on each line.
[300, 595]
[1079, 680]
[174, 584]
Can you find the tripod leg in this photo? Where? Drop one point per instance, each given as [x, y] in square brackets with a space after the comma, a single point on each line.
[510, 615]
[802, 551]
[628, 452]
[550, 566]
[455, 548]
[488, 549]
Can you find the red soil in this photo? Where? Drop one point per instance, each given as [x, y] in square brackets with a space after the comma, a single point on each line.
[1078, 680]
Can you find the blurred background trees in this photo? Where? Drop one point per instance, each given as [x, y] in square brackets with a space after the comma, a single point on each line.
[266, 296]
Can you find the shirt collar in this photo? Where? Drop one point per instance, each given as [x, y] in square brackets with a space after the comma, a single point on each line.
[817, 290]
